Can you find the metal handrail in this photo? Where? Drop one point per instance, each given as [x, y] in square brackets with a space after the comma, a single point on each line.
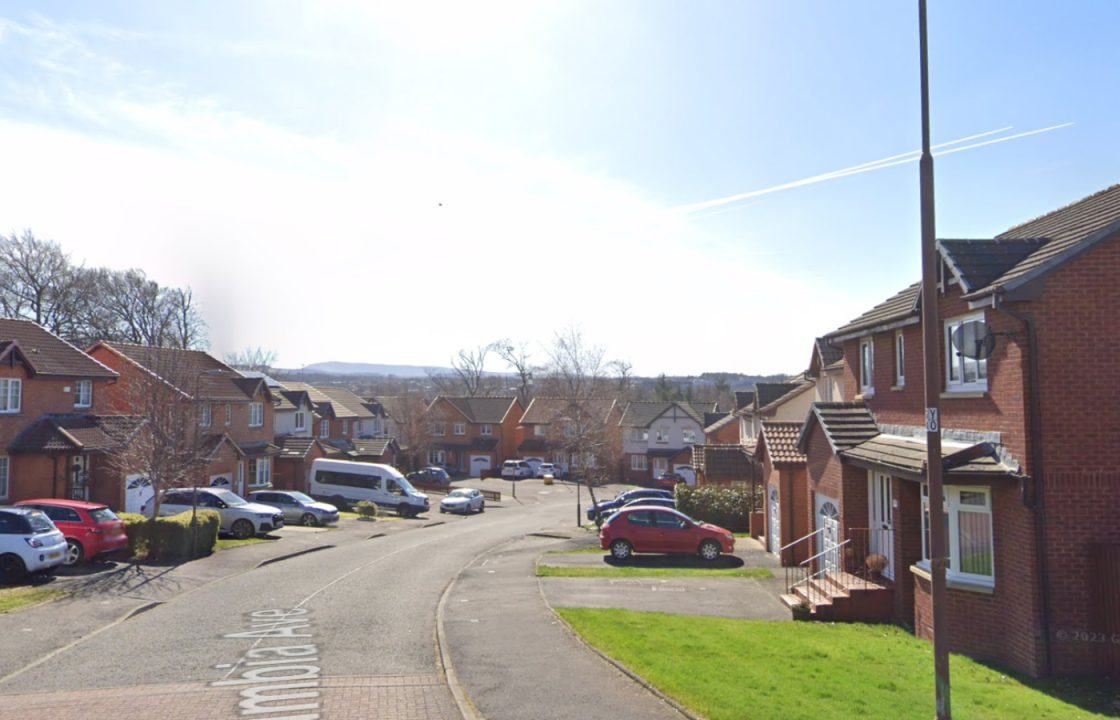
[825, 552]
[800, 539]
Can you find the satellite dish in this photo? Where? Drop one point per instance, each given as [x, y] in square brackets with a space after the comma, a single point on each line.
[974, 339]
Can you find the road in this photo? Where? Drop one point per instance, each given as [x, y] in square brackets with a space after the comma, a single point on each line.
[347, 632]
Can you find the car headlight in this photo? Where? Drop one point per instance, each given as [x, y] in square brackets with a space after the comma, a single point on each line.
[264, 516]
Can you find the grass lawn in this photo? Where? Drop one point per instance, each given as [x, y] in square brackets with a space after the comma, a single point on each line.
[347, 515]
[608, 571]
[582, 551]
[12, 599]
[727, 669]
[225, 543]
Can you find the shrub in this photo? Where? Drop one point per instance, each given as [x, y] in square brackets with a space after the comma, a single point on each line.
[367, 510]
[728, 507]
[171, 538]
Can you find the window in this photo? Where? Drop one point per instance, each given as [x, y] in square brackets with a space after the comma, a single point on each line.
[436, 428]
[436, 457]
[569, 430]
[4, 478]
[660, 465]
[459, 428]
[688, 436]
[83, 393]
[641, 517]
[345, 427]
[486, 430]
[375, 426]
[325, 428]
[638, 462]
[899, 359]
[639, 434]
[299, 420]
[867, 366]
[963, 374]
[10, 394]
[662, 433]
[968, 525]
[229, 414]
[256, 414]
[205, 417]
[539, 430]
[240, 474]
[260, 472]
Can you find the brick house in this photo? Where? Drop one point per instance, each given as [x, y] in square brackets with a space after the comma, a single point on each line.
[472, 434]
[540, 431]
[57, 428]
[723, 429]
[784, 490]
[774, 402]
[340, 415]
[654, 434]
[235, 413]
[293, 462]
[1031, 481]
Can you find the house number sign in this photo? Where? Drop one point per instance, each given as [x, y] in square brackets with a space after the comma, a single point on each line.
[933, 423]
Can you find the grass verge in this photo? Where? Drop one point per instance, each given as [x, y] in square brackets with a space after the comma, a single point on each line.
[582, 551]
[12, 599]
[730, 669]
[225, 543]
[630, 571]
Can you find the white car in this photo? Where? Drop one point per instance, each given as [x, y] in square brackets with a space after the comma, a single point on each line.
[29, 543]
[556, 470]
[463, 500]
[240, 518]
[517, 469]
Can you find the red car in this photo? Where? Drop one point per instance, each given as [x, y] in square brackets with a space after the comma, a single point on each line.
[651, 529]
[91, 529]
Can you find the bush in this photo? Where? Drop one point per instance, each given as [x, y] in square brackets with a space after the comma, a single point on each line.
[170, 538]
[367, 510]
[727, 507]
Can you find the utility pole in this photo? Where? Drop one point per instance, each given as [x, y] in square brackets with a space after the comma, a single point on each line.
[931, 360]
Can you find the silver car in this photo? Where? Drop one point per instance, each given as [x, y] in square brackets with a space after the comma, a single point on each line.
[463, 500]
[297, 507]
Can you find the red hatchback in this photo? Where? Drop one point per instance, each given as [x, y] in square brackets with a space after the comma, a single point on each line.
[91, 529]
[651, 529]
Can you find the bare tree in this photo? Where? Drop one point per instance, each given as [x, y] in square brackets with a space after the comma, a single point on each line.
[252, 358]
[469, 368]
[188, 329]
[408, 411]
[518, 359]
[38, 282]
[624, 372]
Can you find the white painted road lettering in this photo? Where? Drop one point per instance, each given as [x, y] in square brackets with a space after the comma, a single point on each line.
[276, 681]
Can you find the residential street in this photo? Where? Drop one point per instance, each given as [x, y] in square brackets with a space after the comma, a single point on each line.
[370, 610]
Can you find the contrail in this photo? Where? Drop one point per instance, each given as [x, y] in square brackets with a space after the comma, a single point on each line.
[880, 164]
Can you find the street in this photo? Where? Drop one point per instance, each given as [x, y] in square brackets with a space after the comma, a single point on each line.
[358, 619]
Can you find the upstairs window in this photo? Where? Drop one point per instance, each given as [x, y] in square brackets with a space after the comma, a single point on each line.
[436, 428]
[963, 374]
[538, 430]
[486, 430]
[867, 366]
[899, 359]
[229, 414]
[299, 420]
[459, 428]
[10, 392]
[345, 427]
[662, 433]
[688, 436]
[325, 428]
[205, 416]
[256, 414]
[639, 434]
[83, 393]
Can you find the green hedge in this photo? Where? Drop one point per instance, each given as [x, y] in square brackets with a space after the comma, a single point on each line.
[170, 538]
[727, 507]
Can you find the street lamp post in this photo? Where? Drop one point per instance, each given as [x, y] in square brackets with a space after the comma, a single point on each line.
[931, 360]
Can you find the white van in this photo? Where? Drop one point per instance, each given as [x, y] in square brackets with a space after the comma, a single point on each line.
[343, 482]
[517, 469]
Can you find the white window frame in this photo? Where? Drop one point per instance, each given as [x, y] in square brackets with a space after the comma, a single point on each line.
[959, 363]
[639, 462]
[345, 427]
[459, 428]
[662, 434]
[260, 474]
[256, 414]
[953, 507]
[437, 429]
[325, 428]
[206, 416]
[229, 414]
[437, 457]
[688, 436]
[83, 394]
[299, 420]
[899, 359]
[867, 366]
[5, 477]
[11, 395]
[639, 435]
[487, 429]
[538, 430]
[660, 465]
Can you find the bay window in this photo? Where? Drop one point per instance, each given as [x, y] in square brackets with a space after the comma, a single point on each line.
[260, 472]
[968, 532]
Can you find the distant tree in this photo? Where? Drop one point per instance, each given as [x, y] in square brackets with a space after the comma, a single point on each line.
[624, 371]
[665, 390]
[257, 359]
[468, 373]
[38, 282]
[517, 359]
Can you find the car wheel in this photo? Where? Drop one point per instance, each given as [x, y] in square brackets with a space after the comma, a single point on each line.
[308, 520]
[442, 510]
[12, 567]
[242, 529]
[482, 506]
[621, 550]
[404, 511]
[340, 502]
[710, 550]
[74, 552]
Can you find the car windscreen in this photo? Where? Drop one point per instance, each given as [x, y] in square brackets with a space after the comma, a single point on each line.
[227, 497]
[301, 497]
[459, 493]
[40, 523]
[102, 514]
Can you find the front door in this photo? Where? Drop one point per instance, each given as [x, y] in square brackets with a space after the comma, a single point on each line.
[79, 477]
[773, 520]
[828, 539]
[881, 541]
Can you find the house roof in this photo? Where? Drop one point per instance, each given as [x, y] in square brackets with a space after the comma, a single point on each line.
[46, 353]
[77, 433]
[722, 460]
[392, 405]
[642, 413]
[844, 425]
[295, 447]
[825, 355]
[770, 394]
[744, 398]
[907, 455]
[257, 449]
[345, 404]
[482, 409]
[781, 442]
[977, 263]
[1069, 230]
[543, 410]
[723, 420]
[192, 372]
[372, 446]
[901, 306]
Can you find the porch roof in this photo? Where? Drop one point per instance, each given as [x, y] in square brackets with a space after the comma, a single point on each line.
[844, 424]
[906, 456]
[77, 433]
[295, 447]
[261, 448]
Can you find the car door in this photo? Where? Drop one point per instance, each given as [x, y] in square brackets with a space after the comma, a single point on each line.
[641, 532]
[674, 532]
[70, 523]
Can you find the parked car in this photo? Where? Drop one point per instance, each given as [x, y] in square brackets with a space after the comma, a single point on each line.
[430, 475]
[650, 529]
[297, 507]
[463, 500]
[343, 481]
[29, 543]
[91, 529]
[609, 506]
[535, 463]
[652, 501]
[556, 470]
[669, 480]
[240, 518]
[517, 469]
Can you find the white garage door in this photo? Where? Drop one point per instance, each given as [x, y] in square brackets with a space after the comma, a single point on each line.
[479, 463]
[773, 520]
[137, 491]
[686, 472]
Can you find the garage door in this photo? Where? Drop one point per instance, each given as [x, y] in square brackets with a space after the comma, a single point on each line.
[686, 472]
[479, 464]
[137, 491]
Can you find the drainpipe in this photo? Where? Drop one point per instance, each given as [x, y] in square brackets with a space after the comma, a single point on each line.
[1038, 473]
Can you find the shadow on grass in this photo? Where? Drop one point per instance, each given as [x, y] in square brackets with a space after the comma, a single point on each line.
[1091, 694]
[724, 562]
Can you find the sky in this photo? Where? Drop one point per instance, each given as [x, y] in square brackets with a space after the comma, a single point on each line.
[390, 182]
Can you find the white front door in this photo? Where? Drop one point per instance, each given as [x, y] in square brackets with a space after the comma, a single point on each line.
[773, 521]
[828, 539]
[479, 464]
[881, 540]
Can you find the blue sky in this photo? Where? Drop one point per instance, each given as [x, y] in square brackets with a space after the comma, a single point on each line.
[390, 182]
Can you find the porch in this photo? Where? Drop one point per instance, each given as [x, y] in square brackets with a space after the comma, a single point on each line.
[844, 579]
